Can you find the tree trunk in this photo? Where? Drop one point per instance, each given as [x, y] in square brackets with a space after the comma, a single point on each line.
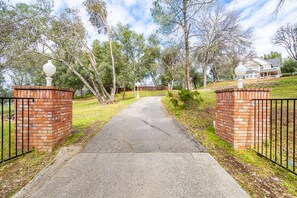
[124, 92]
[134, 88]
[204, 77]
[94, 92]
[113, 67]
[186, 33]
[108, 98]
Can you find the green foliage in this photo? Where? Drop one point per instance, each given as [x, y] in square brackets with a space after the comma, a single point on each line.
[171, 66]
[150, 59]
[97, 13]
[65, 78]
[272, 55]
[133, 59]
[185, 98]
[289, 66]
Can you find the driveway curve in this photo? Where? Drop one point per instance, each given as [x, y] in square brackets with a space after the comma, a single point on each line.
[141, 152]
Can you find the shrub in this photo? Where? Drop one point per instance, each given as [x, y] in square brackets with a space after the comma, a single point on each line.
[185, 98]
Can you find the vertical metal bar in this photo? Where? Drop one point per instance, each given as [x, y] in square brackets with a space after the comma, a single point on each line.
[287, 136]
[294, 134]
[275, 138]
[28, 125]
[281, 134]
[262, 143]
[22, 126]
[2, 127]
[9, 127]
[270, 131]
[16, 126]
[255, 124]
[258, 123]
[266, 117]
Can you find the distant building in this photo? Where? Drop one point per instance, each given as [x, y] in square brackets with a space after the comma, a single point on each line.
[259, 68]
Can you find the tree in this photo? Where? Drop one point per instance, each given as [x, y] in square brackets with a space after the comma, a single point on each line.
[98, 17]
[289, 66]
[66, 78]
[171, 64]
[286, 36]
[133, 46]
[279, 6]
[178, 15]
[196, 77]
[57, 37]
[272, 55]
[101, 51]
[218, 35]
[152, 54]
[235, 55]
[3, 90]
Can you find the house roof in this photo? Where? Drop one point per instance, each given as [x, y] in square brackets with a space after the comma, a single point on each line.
[261, 61]
[274, 62]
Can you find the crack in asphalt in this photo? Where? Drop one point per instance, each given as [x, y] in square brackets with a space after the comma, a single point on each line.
[154, 127]
[130, 145]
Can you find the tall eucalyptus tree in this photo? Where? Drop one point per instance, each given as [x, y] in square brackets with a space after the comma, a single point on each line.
[57, 37]
[98, 17]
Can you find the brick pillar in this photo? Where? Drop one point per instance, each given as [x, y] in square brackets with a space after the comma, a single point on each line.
[235, 115]
[50, 114]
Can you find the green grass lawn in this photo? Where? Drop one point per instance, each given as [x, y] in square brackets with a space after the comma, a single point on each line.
[8, 141]
[258, 176]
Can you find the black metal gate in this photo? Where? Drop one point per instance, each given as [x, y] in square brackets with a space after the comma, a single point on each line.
[15, 127]
[275, 131]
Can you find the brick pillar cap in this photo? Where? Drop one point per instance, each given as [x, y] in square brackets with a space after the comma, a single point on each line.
[40, 88]
[244, 89]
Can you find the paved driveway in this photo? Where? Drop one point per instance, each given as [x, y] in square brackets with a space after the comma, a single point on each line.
[142, 153]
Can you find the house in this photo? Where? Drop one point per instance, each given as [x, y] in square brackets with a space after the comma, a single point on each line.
[259, 68]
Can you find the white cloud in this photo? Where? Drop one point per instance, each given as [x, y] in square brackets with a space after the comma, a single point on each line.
[134, 12]
[241, 4]
[259, 15]
[255, 13]
[130, 2]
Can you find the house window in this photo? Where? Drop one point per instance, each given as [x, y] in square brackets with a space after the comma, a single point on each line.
[261, 67]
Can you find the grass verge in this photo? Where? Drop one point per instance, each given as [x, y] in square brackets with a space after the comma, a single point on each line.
[258, 176]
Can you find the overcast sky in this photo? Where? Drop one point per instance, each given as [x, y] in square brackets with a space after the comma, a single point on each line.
[253, 13]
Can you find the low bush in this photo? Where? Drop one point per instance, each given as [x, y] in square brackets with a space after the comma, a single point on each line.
[185, 98]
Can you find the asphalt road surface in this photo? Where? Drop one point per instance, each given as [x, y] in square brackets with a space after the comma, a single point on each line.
[142, 152]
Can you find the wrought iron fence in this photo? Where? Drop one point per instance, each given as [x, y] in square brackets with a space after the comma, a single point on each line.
[275, 131]
[15, 127]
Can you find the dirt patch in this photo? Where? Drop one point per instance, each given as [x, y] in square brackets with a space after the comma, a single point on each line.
[88, 134]
[256, 184]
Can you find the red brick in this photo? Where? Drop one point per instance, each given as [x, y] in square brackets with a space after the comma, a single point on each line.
[50, 116]
[235, 115]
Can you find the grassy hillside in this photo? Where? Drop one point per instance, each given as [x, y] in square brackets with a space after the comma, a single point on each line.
[281, 87]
